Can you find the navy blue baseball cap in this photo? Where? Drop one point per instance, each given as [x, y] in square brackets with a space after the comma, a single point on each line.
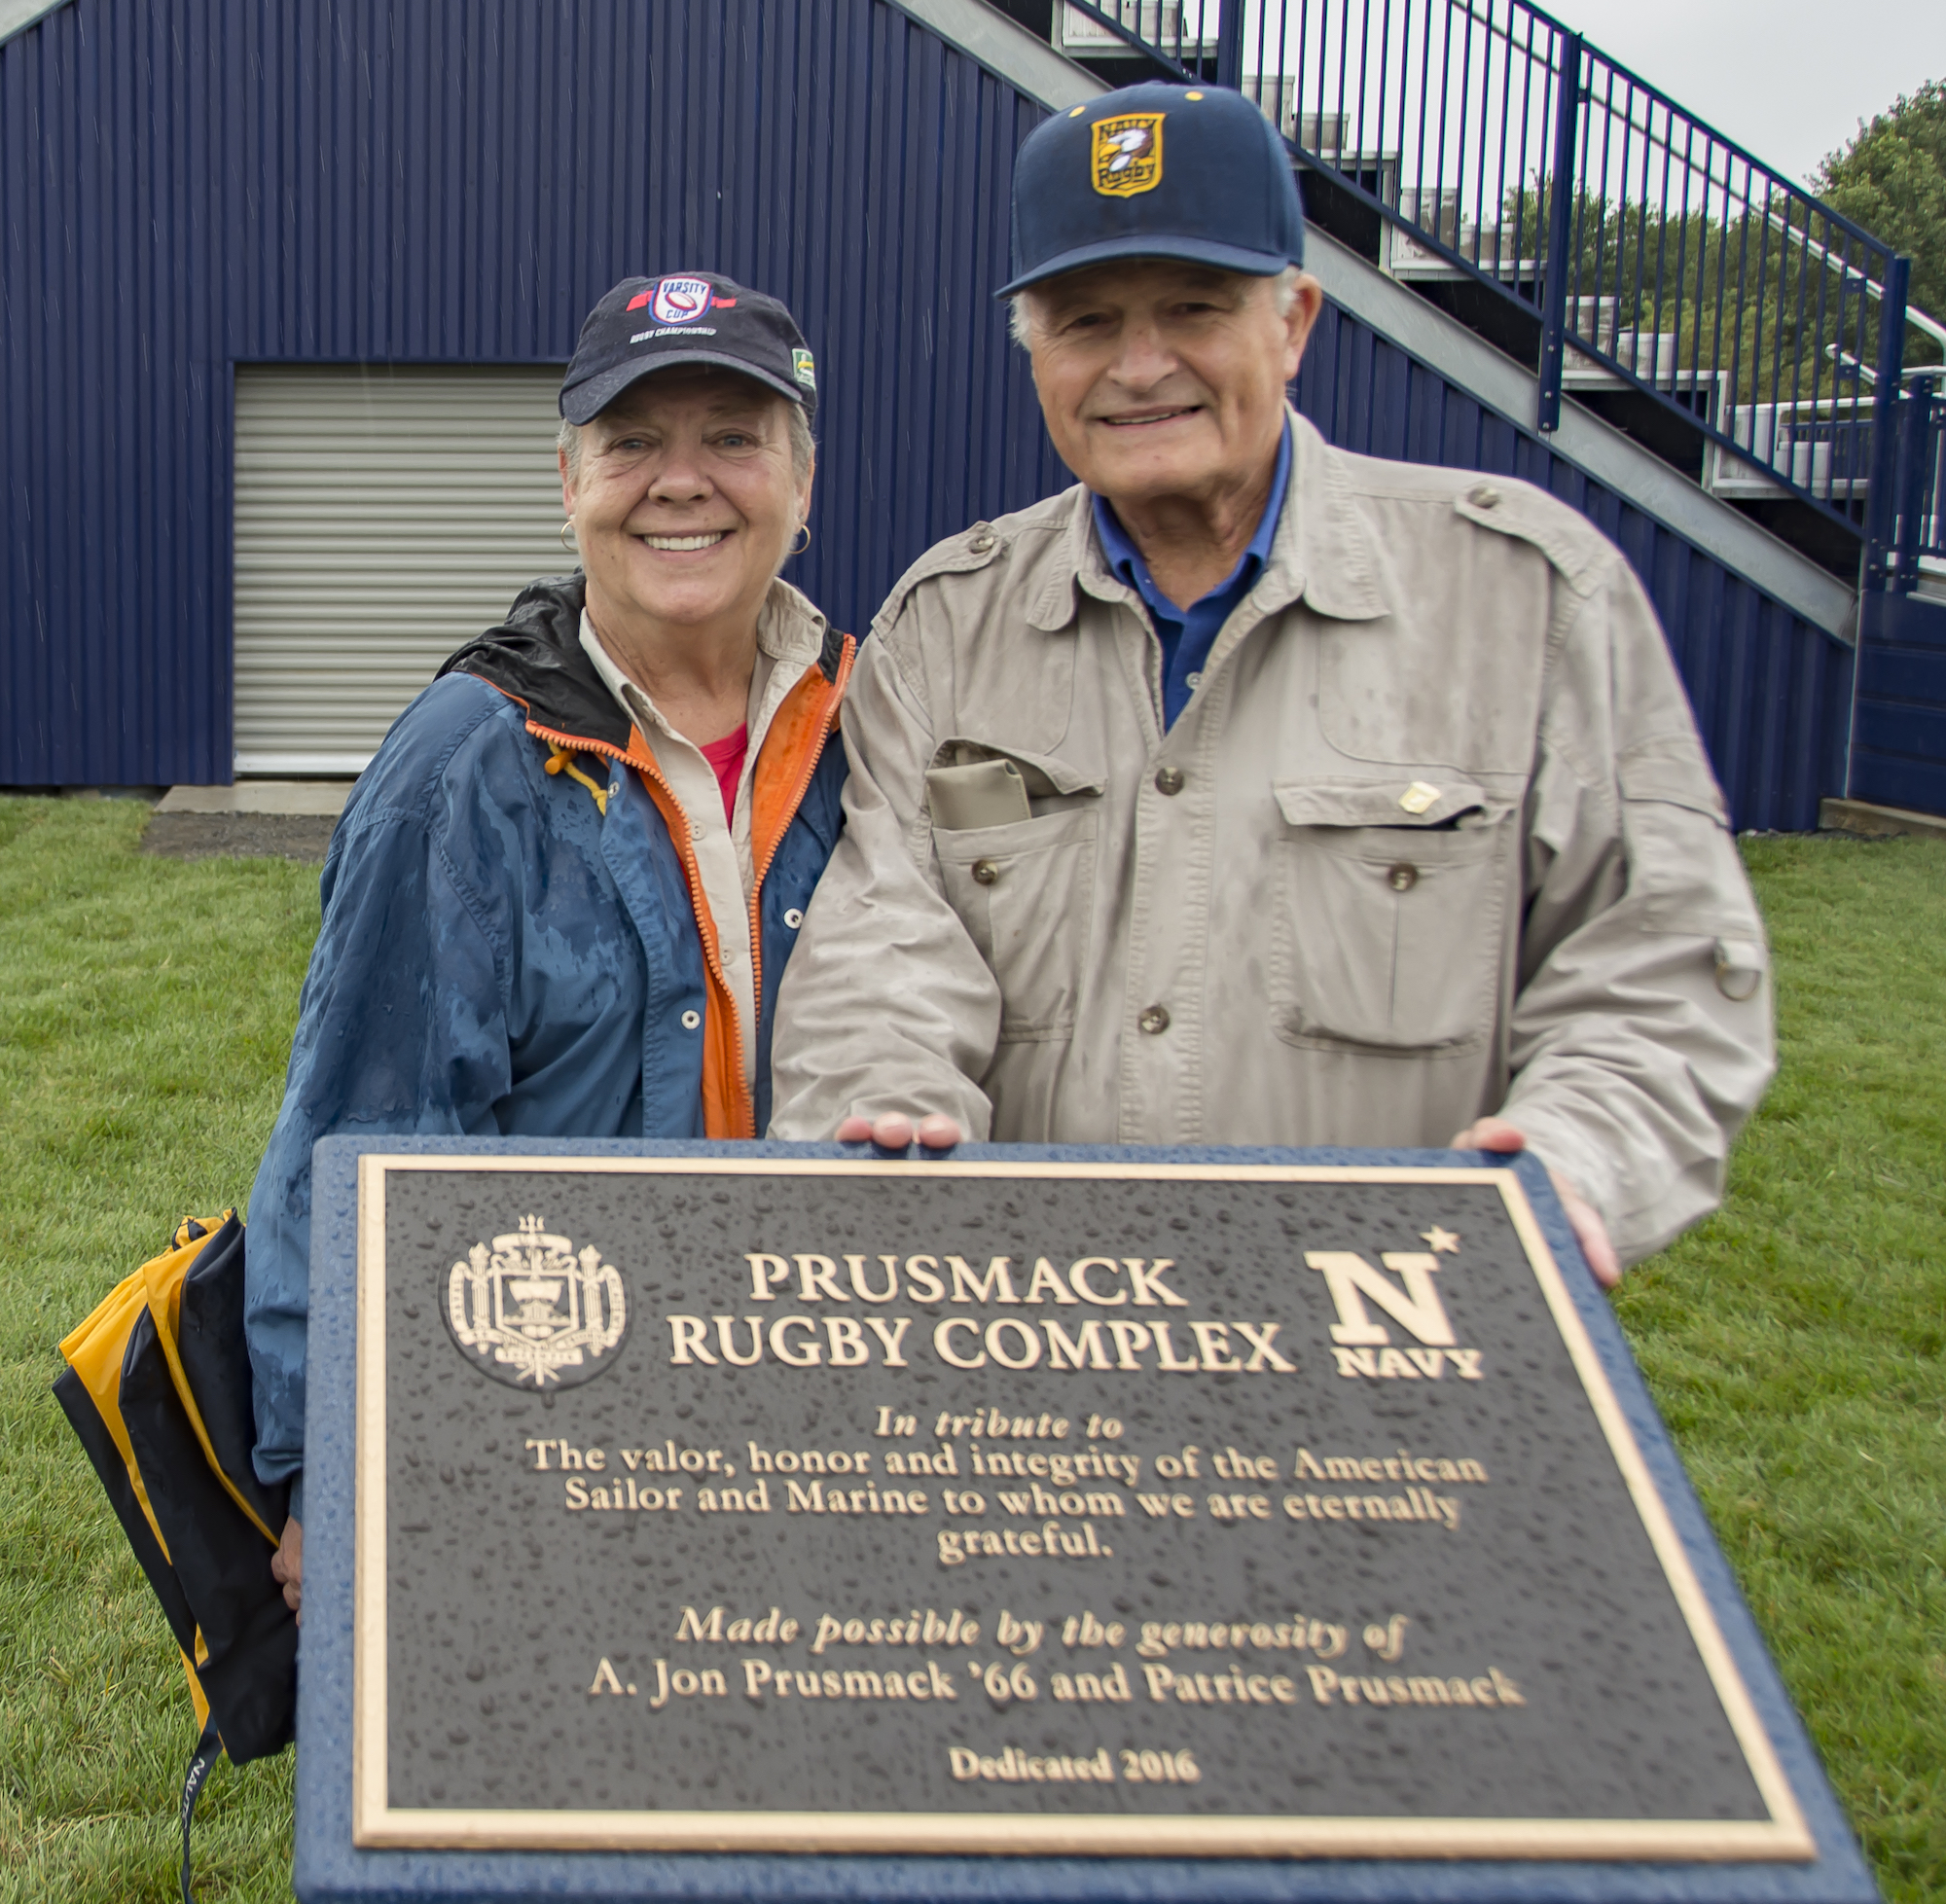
[1195, 172]
[649, 324]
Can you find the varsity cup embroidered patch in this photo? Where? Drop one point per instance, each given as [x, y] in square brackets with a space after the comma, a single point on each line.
[680, 300]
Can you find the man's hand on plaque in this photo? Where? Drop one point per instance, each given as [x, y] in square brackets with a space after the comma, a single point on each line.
[1589, 1232]
[895, 1130]
[287, 1566]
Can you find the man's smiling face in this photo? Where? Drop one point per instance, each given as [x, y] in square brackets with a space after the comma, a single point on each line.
[1162, 379]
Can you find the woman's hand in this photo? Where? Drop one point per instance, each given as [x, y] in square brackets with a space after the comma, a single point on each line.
[287, 1566]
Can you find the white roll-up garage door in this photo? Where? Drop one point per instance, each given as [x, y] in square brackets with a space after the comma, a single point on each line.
[384, 516]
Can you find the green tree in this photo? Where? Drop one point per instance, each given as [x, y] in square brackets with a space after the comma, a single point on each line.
[1745, 294]
[1892, 179]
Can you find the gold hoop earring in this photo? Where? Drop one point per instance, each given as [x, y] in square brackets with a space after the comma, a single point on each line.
[564, 542]
[803, 529]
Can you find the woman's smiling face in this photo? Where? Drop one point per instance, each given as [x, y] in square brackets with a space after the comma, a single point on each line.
[684, 500]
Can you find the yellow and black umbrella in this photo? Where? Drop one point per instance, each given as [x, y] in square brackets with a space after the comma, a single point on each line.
[158, 1388]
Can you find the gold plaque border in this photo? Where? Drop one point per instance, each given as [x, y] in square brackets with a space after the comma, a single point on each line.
[376, 1823]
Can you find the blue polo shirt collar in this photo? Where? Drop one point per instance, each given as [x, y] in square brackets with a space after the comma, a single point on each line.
[1187, 634]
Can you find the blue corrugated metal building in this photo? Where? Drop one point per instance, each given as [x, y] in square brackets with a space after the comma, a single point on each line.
[191, 185]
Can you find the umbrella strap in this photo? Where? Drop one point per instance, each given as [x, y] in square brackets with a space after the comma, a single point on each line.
[208, 1749]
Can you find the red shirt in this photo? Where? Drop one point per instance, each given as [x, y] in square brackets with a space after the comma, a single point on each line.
[726, 761]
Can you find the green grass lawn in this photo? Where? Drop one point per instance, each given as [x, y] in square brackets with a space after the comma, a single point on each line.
[1794, 1342]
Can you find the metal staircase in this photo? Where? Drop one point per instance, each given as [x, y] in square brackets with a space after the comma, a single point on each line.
[1642, 269]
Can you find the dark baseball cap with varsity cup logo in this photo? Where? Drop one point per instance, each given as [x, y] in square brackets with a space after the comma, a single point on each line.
[650, 324]
[1193, 172]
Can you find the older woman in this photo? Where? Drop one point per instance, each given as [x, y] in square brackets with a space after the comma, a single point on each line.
[562, 894]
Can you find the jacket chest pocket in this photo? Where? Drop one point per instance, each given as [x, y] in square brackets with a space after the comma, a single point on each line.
[1389, 926]
[1025, 893]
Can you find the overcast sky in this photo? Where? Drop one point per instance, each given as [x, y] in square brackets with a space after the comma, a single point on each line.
[1787, 79]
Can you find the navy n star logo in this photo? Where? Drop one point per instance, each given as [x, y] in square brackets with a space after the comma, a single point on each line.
[1364, 1345]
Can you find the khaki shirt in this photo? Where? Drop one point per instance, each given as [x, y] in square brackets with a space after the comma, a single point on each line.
[1434, 838]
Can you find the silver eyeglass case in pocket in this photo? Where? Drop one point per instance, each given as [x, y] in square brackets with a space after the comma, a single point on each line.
[978, 793]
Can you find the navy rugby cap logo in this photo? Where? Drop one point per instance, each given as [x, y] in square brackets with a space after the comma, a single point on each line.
[650, 324]
[1128, 154]
[1196, 173]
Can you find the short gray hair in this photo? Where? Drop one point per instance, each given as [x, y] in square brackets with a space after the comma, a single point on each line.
[1021, 306]
[802, 445]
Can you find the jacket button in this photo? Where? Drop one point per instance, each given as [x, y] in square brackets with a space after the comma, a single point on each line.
[1402, 877]
[986, 871]
[1154, 1019]
[691, 1020]
[982, 543]
[1483, 495]
[793, 918]
[1169, 779]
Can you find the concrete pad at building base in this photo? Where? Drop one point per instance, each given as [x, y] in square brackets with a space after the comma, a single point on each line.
[238, 836]
[323, 797]
[1877, 822]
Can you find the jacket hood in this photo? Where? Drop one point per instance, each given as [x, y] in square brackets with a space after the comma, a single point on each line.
[536, 656]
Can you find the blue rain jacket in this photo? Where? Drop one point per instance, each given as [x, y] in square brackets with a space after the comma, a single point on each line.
[505, 953]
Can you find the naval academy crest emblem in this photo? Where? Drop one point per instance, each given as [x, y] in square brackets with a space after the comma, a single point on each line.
[531, 1312]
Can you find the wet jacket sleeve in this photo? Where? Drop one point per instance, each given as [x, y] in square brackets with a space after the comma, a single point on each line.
[1640, 1031]
[401, 1030]
[888, 1004]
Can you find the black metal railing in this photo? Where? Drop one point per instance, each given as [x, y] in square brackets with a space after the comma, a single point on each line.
[1640, 254]
[1918, 531]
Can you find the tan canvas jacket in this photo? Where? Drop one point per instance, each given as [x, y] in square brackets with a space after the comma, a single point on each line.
[1442, 841]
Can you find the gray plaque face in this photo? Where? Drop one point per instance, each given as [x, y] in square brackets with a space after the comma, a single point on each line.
[1014, 1508]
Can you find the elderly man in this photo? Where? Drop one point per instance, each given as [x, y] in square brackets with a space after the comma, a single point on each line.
[1254, 793]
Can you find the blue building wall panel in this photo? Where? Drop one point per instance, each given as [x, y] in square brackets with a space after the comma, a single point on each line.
[1898, 736]
[190, 184]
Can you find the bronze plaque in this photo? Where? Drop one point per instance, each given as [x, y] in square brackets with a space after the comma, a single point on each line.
[1015, 1507]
